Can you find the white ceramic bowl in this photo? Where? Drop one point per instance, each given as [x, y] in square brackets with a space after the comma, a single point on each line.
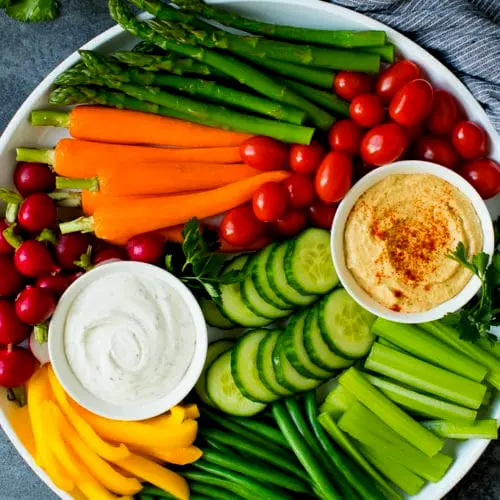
[130, 411]
[345, 208]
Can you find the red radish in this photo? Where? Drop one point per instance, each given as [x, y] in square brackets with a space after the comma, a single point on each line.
[146, 247]
[57, 283]
[39, 350]
[108, 255]
[34, 178]
[70, 248]
[33, 259]
[5, 247]
[11, 280]
[35, 305]
[37, 212]
[17, 364]
[12, 330]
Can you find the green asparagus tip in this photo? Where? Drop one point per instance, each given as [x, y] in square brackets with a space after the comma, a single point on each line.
[45, 118]
[80, 225]
[34, 155]
[66, 96]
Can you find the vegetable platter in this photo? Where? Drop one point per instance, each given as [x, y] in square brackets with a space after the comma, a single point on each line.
[292, 368]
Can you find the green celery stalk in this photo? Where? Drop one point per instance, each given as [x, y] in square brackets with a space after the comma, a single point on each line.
[422, 404]
[493, 349]
[449, 335]
[425, 346]
[337, 402]
[386, 52]
[425, 377]
[481, 429]
[366, 427]
[388, 343]
[357, 384]
[488, 396]
[347, 444]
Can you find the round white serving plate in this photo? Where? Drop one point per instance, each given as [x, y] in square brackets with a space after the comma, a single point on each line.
[307, 13]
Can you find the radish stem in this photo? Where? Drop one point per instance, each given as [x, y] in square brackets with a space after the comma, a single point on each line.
[46, 118]
[13, 239]
[82, 224]
[34, 155]
[41, 333]
[91, 184]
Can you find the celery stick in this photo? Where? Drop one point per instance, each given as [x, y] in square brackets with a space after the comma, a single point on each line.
[366, 427]
[357, 384]
[337, 402]
[425, 377]
[421, 404]
[482, 429]
[425, 346]
[449, 335]
[488, 396]
[388, 343]
[408, 481]
[493, 349]
[347, 444]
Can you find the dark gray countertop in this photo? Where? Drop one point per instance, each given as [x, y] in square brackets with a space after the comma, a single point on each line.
[27, 54]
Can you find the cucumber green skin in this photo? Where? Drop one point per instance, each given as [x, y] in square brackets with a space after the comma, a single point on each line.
[264, 359]
[261, 281]
[284, 290]
[214, 316]
[289, 345]
[239, 378]
[290, 259]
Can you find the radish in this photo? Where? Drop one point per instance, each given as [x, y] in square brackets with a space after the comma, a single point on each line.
[39, 350]
[146, 247]
[57, 283]
[33, 178]
[12, 330]
[110, 254]
[17, 364]
[37, 212]
[70, 248]
[33, 259]
[35, 305]
[5, 247]
[11, 281]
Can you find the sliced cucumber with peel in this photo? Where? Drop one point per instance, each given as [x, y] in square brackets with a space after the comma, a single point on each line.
[308, 263]
[213, 316]
[245, 369]
[223, 391]
[345, 325]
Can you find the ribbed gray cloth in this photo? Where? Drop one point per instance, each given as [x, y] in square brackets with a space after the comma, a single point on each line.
[463, 34]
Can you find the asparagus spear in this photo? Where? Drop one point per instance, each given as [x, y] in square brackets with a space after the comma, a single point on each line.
[145, 48]
[99, 65]
[386, 52]
[337, 38]
[245, 74]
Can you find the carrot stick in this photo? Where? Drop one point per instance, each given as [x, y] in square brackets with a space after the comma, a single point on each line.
[78, 158]
[119, 126]
[119, 223]
[159, 178]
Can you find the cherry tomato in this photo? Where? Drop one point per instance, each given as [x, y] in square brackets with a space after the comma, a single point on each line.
[484, 175]
[334, 177]
[367, 110]
[264, 153]
[383, 144]
[321, 214]
[444, 113]
[412, 103]
[290, 223]
[300, 190]
[437, 150]
[349, 84]
[306, 159]
[345, 136]
[395, 77]
[17, 364]
[469, 140]
[240, 227]
[414, 132]
[269, 201]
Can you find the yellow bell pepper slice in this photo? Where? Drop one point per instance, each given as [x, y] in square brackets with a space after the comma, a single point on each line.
[19, 419]
[192, 411]
[103, 449]
[155, 474]
[179, 456]
[175, 416]
[38, 395]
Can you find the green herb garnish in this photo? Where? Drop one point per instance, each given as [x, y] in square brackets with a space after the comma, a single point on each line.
[31, 11]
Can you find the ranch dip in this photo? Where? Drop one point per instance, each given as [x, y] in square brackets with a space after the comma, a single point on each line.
[129, 338]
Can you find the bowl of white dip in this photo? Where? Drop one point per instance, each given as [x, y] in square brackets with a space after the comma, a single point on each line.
[128, 341]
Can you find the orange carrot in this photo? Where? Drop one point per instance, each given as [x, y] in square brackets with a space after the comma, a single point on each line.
[160, 178]
[119, 223]
[93, 199]
[119, 126]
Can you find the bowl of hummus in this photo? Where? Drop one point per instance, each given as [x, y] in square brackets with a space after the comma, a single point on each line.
[392, 236]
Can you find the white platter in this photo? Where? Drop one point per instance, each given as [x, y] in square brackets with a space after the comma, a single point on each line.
[308, 13]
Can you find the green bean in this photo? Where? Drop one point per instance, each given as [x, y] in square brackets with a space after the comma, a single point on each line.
[145, 497]
[264, 430]
[153, 491]
[200, 497]
[198, 476]
[212, 492]
[219, 446]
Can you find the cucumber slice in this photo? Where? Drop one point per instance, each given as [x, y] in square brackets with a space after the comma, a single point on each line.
[223, 391]
[265, 366]
[213, 351]
[232, 303]
[213, 316]
[296, 352]
[317, 349]
[245, 370]
[286, 374]
[345, 325]
[255, 302]
[308, 263]
[276, 274]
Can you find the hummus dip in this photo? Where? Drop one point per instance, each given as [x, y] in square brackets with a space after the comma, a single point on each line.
[397, 238]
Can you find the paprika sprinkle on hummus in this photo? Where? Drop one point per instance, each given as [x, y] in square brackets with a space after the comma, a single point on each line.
[397, 238]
